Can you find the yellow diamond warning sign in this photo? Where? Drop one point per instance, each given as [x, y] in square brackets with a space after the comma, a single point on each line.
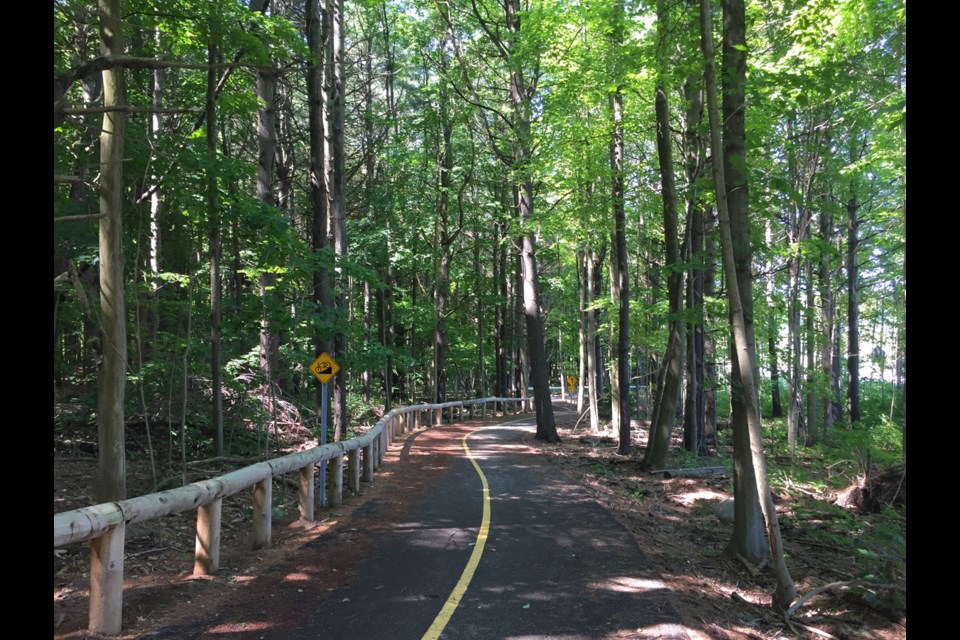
[324, 367]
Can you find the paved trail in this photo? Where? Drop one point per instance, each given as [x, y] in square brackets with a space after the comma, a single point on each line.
[414, 563]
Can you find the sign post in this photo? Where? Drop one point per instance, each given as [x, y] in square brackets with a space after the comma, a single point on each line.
[324, 368]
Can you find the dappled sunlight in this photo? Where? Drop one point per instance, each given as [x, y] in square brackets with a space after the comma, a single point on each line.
[240, 627]
[624, 584]
[663, 631]
[441, 538]
[689, 498]
[296, 576]
[541, 596]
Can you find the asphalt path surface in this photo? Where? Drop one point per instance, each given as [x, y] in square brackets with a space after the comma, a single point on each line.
[554, 564]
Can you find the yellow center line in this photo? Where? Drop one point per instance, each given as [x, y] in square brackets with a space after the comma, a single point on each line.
[433, 633]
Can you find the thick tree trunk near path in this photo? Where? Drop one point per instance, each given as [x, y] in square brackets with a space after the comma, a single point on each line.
[752, 458]
[748, 538]
[111, 472]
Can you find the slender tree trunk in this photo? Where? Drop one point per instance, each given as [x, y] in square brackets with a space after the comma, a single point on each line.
[266, 86]
[593, 382]
[853, 312]
[811, 422]
[479, 311]
[751, 459]
[693, 433]
[112, 473]
[338, 184]
[748, 538]
[773, 331]
[665, 407]
[500, 292]
[709, 345]
[318, 184]
[612, 354]
[827, 312]
[213, 207]
[794, 409]
[584, 332]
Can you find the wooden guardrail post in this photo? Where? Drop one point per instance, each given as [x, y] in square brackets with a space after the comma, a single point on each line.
[206, 556]
[368, 462]
[262, 513]
[388, 431]
[106, 581]
[353, 471]
[335, 490]
[471, 410]
[483, 411]
[416, 419]
[381, 449]
[306, 493]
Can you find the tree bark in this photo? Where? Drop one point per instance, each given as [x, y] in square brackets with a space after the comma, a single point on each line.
[853, 311]
[752, 459]
[665, 406]
[266, 86]
[338, 185]
[748, 539]
[318, 184]
[213, 207]
[111, 471]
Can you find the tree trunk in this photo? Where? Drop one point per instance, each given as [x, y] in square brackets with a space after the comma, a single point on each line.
[266, 86]
[213, 207]
[748, 539]
[592, 264]
[111, 471]
[318, 185]
[853, 312]
[794, 408]
[584, 331]
[693, 432]
[709, 345]
[338, 184]
[811, 422]
[665, 406]
[773, 331]
[750, 460]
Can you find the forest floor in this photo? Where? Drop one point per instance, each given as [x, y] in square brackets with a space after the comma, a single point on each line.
[674, 521]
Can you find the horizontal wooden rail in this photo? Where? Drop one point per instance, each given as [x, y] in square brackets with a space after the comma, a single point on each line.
[104, 525]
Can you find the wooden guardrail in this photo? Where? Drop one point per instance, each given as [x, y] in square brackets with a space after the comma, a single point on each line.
[104, 525]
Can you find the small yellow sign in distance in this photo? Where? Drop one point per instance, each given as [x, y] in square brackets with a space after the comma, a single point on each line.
[572, 380]
[324, 367]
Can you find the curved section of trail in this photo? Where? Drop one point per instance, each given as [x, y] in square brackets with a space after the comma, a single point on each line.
[469, 535]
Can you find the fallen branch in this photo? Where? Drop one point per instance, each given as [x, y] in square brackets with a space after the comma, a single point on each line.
[840, 585]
